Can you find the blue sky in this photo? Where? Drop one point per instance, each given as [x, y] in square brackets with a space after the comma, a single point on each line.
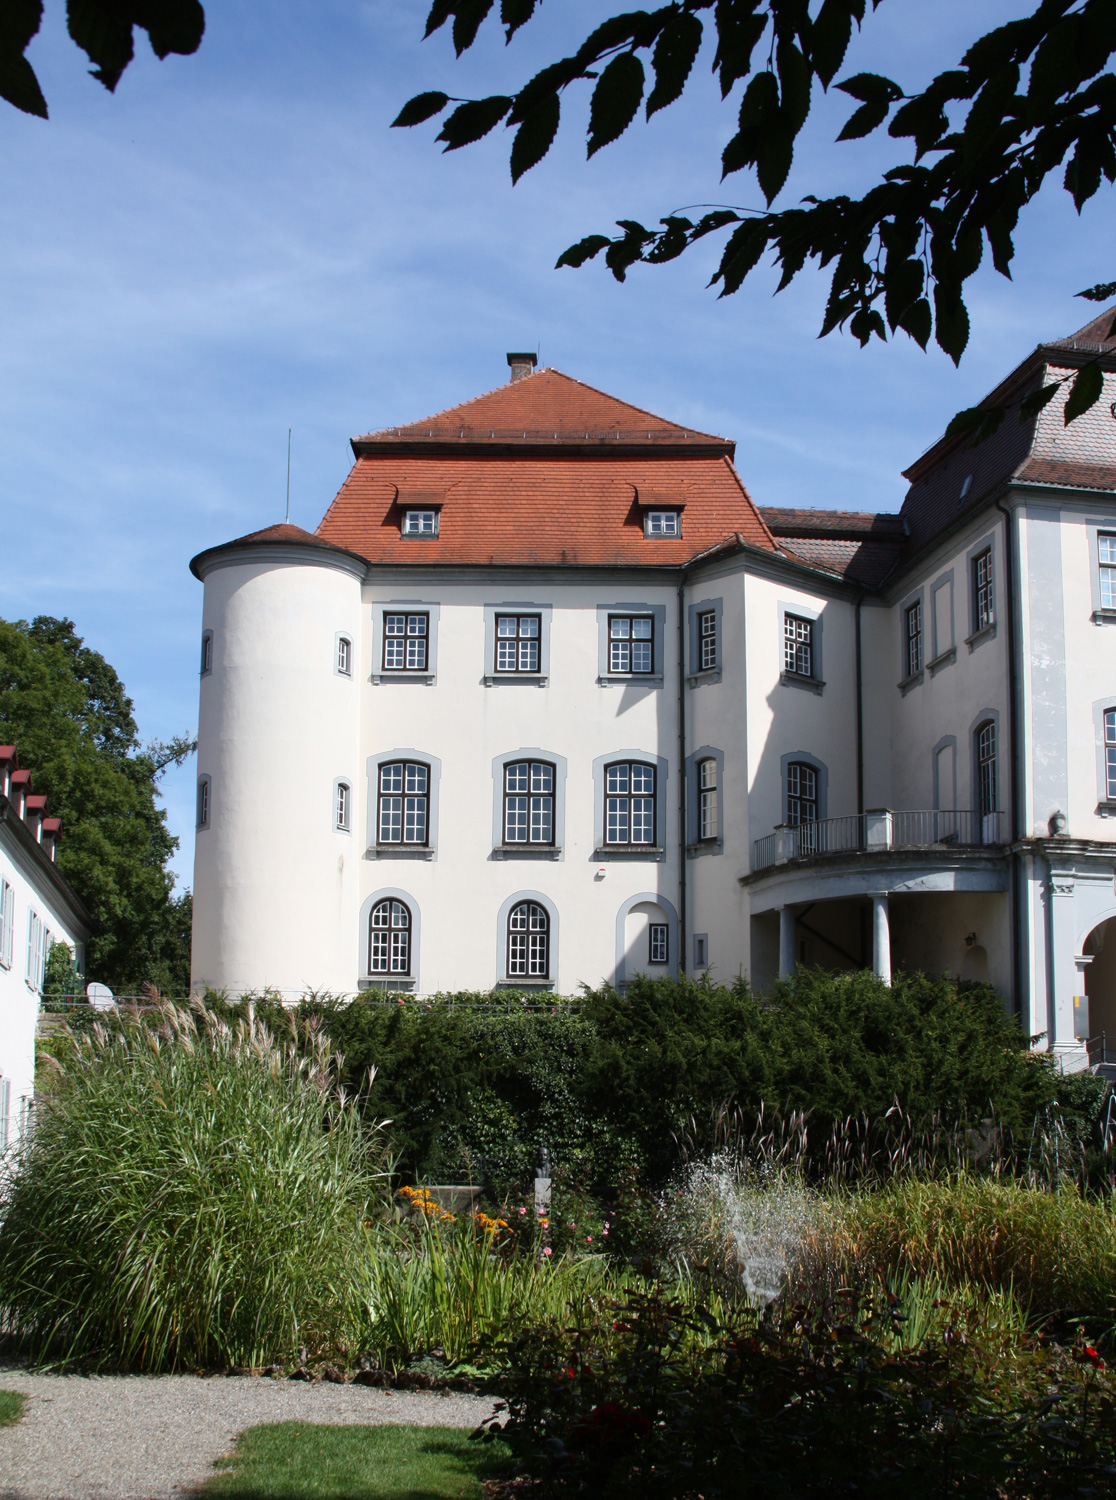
[236, 242]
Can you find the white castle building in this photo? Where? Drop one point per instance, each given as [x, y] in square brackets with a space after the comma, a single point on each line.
[548, 700]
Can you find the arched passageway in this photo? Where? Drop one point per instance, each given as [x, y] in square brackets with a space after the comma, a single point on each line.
[1100, 981]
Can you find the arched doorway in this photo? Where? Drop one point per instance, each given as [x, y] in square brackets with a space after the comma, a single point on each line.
[1100, 981]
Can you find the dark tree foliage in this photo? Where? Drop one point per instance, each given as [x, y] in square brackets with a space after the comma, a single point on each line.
[103, 29]
[1025, 100]
[71, 720]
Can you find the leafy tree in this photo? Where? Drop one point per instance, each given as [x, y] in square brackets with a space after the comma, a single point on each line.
[103, 29]
[985, 135]
[67, 712]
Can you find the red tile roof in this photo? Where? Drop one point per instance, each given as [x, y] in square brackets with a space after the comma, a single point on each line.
[544, 408]
[534, 510]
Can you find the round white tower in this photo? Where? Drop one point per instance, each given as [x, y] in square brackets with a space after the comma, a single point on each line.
[280, 797]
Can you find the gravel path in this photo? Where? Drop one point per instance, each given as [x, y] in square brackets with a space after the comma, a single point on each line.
[117, 1437]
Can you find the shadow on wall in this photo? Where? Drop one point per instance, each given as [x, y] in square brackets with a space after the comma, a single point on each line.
[1100, 982]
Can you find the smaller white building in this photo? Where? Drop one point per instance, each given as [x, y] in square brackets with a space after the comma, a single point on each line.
[38, 908]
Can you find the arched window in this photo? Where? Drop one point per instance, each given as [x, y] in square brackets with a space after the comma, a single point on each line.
[629, 803]
[802, 793]
[342, 807]
[528, 942]
[986, 779]
[707, 791]
[389, 938]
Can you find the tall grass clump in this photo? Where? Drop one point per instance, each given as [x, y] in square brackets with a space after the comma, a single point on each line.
[193, 1196]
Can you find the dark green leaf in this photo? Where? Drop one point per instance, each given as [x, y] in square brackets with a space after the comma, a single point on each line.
[1099, 293]
[951, 324]
[829, 39]
[742, 253]
[871, 88]
[420, 108]
[584, 250]
[1085, 392]
[865, 323]
[980, 421]
[466, 22]
[673, 58]
[903, 284]
[918, 321]
[795, 79]
[534, 137]
[439, 14]
[172, 25]
[18, 85]
[1031, 405]
[104, 33]
[615, 100]
[1053, 69]
[739, 27]
[773, 160]
[923, 118]
[469, 122]
[516, 13]
[864, 120]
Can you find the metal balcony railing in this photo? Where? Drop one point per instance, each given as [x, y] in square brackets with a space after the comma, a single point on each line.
[878, 831]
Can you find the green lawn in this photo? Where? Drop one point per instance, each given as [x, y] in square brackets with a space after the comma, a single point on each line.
[11, 1407]
[304, 1461]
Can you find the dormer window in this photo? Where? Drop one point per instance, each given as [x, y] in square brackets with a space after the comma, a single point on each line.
[662, 523]
[420, 523]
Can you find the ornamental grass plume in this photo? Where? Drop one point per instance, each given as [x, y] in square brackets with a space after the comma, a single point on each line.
[193, 1196]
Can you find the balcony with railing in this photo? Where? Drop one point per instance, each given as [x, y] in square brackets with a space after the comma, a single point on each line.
[879, 831]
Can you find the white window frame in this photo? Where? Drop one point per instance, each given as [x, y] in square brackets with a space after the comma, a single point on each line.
[912, 639]
[615, 795]
[413, 796]
[420, 523]
[658, 944]
[39, 940]
[708, 794]
[662, 523]
[618, 640]
[406, 633]
[343, 655]
[528, 943]
[1108, 720]
[529, 807]
[7, 922]
[524, 658]
[342, 805]
[398, 948]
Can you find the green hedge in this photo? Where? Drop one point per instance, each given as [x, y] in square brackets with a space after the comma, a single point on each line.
[611, 1082]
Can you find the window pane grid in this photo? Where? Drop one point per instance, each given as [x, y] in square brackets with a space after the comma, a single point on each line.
[631, 645]
[389, 943]
[517, 643]
[914, 639]
[405, 638]
[707, 626]
[798, 646]
[1110, 754]
[420, 523]
[986, 763]
[802, 794]
[707, 811]
[983, 599]
[528, 942]
[1106, 543]
[342, 805]
[529, 802]
[657, 943]
[404, 802]
[662, 523]
[630, 803]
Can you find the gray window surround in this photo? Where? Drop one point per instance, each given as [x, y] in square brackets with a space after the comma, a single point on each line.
[906, 682]
[1093, 527]
[375, 850]
[654, 679]
[652, 898]
[974, 765]
[695, 674]
[502, 980]
[369, 981]
[339, 781]
[947, 741]
[339, 636]
[492, 678]
[201, 822]
[400, 607]
[822, 770]
[1106, 807]
[977, 637]
[649, 853]
[662, 510]
[815, 683]
[944, 652]
[418, 536]
[701, 951]
[206, 653]
[695, 844]
[554, 851]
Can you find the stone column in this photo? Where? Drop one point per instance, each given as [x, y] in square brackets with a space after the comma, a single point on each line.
[786, 941]
[881, 937]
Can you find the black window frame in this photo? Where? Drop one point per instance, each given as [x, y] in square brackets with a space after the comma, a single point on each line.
[515, 935]
[406, 638]
[629, 797]
[521, 641]
[707, 637]
[1108, 726]
[389, 930]
[530, 796]
[984, 590]
[708, 801]
[403, 794]
[658, 931]
[629, 640]
[796, 798]
[912, 639]
[797, 644]
[987, 789]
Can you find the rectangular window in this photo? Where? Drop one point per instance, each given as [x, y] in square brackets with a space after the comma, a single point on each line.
[343, 800]
[913, 642]
[404, 802]
[802, 794]
[631, 645]
[983, 596]
[405, 642]
[630, 804]
[5, 1111]
[38, 939]
[207, 652]
[798, 646]
[986, 770]
[701, 950]
[707, 635]
[517, 643]
[7, 915]
[707, 790]
[420, 523]
[1109, 754]
[203, 803]
[529, 802]
[1106, 545]
[657, 943]
[662, 523]
[344, 656]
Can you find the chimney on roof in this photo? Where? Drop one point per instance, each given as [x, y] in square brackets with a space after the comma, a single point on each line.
[522, 365]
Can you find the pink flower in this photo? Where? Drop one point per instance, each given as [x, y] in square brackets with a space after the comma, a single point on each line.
[547, 1250]
[605, 1229]
[522, 1210]
[588, 1239]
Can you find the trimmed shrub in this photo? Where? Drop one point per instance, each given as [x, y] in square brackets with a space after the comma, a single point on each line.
[192, 1196]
